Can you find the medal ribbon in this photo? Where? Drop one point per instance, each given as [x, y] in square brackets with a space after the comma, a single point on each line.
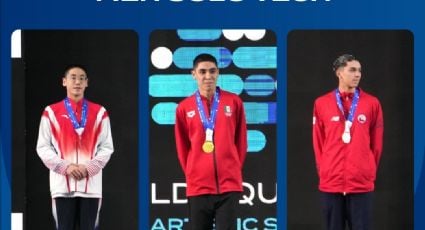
[353, 106]
[74, 121]
[210, 122]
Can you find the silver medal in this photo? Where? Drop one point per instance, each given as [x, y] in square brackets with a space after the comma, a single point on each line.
[346, 136]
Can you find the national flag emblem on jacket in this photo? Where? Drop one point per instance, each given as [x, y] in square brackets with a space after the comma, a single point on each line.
[227, 111]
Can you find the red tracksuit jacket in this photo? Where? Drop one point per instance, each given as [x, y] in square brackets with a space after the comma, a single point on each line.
[220, 171]
[347, 168]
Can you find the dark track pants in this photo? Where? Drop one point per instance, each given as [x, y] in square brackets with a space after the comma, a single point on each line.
[205, 210]
[354, 210]
[78, 211]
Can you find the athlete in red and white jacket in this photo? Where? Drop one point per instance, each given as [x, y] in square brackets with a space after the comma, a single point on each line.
[75, 143]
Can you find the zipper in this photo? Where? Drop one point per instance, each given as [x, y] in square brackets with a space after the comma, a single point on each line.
[345, 173]
[76, 149]
[208, 103]
[216, 172]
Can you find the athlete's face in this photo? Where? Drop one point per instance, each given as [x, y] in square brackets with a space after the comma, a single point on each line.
[75, 83]
[349, 76]
[206, 74]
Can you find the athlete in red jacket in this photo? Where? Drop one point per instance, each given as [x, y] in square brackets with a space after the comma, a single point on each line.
[347, 139]
[210, 132]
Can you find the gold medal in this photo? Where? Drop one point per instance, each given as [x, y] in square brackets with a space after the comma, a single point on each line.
[208, 147]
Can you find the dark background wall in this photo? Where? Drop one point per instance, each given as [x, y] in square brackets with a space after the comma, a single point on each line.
[387, 72]
[111, 58]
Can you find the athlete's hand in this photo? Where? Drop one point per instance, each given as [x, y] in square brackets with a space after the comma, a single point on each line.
[74, 171]
[83, 170]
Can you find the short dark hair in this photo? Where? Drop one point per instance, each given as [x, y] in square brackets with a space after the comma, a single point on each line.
[342, 60]
[69, 67]
[204, 57]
